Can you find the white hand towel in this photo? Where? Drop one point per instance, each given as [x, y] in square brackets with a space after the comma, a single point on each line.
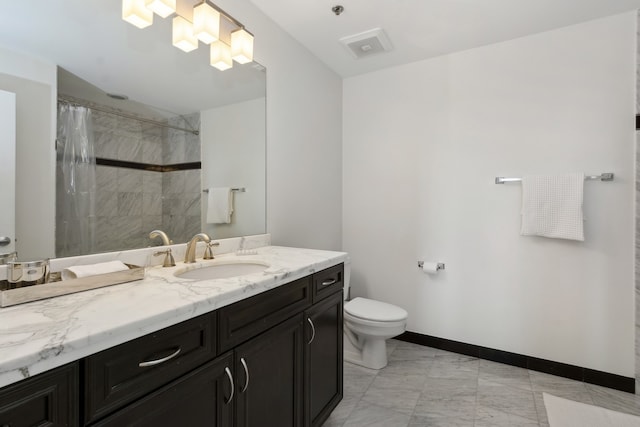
[78, 271]
[219, 205]
[552, 206]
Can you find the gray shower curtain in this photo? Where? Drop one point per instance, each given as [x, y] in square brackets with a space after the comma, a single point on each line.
[76, 182]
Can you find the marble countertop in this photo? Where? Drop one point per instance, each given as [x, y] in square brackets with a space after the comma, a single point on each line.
[42, 335]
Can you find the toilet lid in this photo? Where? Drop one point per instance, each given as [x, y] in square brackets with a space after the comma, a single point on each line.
[374, 310]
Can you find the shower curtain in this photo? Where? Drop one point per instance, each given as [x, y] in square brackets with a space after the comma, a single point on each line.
[76, 182]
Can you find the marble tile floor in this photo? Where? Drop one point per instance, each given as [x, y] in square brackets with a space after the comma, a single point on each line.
[423, 386]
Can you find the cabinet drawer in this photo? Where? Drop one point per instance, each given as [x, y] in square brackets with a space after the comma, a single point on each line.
[247, 318]
[199, 398]
[123, 373]
[48, 399]
[328, 282]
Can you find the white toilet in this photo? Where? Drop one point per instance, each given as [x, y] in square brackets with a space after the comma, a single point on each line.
[368, 324]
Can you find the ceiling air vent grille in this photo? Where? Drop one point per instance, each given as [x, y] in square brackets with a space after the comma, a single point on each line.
[368, 43]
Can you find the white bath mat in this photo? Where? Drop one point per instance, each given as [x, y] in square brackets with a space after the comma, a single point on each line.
[567, 413]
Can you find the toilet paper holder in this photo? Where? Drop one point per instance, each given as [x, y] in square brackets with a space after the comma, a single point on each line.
[438, 268]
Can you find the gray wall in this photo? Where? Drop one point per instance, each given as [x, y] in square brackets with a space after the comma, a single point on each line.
[129, 202]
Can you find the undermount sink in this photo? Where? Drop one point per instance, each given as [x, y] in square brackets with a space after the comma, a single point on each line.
[223, 270]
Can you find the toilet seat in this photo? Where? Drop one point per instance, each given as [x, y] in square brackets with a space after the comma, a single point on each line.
[374, 311]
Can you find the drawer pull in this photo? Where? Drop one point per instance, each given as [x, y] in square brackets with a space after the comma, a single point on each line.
[329, 282]
[159, 361]
[313, 330]
[246, 375]
[233, 388]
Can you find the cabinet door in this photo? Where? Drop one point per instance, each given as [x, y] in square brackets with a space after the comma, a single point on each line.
[48, 399]
[269, 377]
[323, 359]
[201, 398]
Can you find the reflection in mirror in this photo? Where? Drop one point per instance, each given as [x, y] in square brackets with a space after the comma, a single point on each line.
[124, 169]
[92, 42]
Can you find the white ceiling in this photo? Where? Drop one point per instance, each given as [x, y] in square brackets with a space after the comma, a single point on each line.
[89, 39]
[420, 29]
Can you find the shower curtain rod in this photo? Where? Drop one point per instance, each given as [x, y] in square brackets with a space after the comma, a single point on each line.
[125, 115]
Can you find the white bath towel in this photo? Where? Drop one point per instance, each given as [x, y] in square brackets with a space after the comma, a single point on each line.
[219, 205]
[568, 413]
[78, 271]
[552, 206]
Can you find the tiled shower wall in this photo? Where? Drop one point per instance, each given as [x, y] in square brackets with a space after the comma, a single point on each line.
[181, 190]
[130, 202]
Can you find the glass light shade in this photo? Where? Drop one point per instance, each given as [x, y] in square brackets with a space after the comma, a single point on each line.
[221, 56]
[162, 8]
[183, 37]
[206, 23]
[241, 46]
[135, 12]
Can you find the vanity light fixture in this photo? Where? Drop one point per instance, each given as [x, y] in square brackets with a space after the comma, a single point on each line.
[242, 46]
[221, 55]
[162, 8]
[228, 39]
[183, 37]
[136, 13]
[206, 23]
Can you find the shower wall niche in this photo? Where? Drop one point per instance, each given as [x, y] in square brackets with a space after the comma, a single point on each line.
[147, 178]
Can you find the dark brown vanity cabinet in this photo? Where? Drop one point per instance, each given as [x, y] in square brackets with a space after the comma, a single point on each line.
[274, 359]
[269, 371]
[324, 346]
[323, 359]
[48, 399]
[116, 377]
[202, 397]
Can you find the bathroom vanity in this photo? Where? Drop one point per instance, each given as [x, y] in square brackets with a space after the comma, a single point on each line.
[257, 350]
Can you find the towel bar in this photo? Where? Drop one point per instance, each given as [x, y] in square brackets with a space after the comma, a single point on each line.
[237, 190]
[602, 177]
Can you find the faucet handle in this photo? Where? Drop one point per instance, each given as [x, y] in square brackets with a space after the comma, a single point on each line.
[168, 258]
[208, 253]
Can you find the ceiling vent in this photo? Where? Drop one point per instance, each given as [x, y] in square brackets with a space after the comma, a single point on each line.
[367, 43]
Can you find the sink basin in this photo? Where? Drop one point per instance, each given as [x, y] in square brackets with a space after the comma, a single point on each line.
[223, 270]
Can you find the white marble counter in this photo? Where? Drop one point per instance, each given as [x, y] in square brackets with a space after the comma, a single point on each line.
[42, 335]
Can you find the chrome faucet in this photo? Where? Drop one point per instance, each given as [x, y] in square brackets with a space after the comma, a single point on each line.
[162, 235]
[190, 254]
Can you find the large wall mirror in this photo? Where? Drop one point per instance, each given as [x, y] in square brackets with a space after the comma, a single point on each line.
[165, 133]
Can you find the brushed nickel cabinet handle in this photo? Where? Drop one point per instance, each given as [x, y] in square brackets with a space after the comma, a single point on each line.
[159, 361]
[329, 282]
[313, 330]
[4, 241]
[246, 373]
[233, 388]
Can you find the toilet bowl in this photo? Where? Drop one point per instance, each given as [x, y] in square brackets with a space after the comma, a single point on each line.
[368, 324]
